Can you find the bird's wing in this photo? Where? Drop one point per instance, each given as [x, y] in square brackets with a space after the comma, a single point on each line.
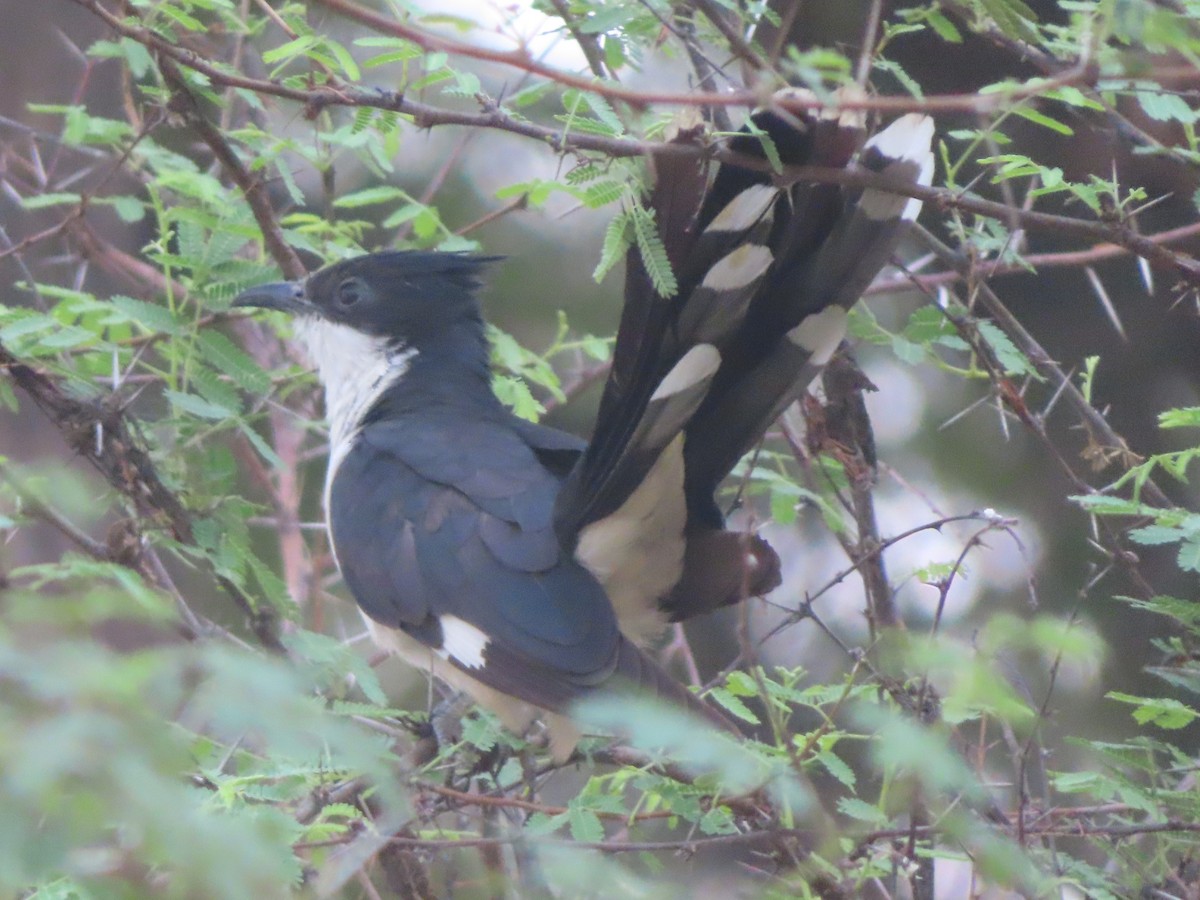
[443, 527]
[557, 450]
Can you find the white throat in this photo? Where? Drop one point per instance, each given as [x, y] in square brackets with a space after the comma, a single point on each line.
[356, 369]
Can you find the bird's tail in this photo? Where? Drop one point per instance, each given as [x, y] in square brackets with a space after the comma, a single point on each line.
[642, 677]
[766, 267]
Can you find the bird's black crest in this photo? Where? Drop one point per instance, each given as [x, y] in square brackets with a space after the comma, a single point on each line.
[402, 294]
[462, 271]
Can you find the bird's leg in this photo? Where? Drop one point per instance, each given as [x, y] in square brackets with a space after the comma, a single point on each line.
[446, 721]
[446, 718]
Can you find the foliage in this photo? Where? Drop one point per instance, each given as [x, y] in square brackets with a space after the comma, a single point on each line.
[186, 710]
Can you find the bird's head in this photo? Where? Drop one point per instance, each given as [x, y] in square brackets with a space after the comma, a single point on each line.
[367, 322]
[396, 296]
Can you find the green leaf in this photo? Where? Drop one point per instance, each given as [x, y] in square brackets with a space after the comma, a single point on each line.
[197, 406]
[21, 324]
[770, 151]
[862, 811]
[1164, 106]
[1186, 612]
[290, 49]
[383, 193]
[209, 386]
[265, 450]
[944, 27]
[1073, 96]
[617, 239]
[539, 824]
[229, 359]
[1013, 17]
[1163, 712]
[610, 18]
[907, 351]
[41, 201]
[741, 684]
[515, 394]
[1014, 361]
[1187, 417]
[585, 825]
[1106, 505]
[604, 112]
[153, 317]
[345, 60]
[718, 820]
[602, 193]
[1151, 535]
[732, 704]
[652, 252]
[128, 209]
[67, 336]
[836, 766]
[1189, 556]
[333, 661]
[894, 69]
[1028, 112]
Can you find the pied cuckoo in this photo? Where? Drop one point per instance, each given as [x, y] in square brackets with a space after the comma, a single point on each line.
[518, 563]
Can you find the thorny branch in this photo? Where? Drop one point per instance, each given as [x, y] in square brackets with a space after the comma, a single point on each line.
[101, 433]
[493, 116]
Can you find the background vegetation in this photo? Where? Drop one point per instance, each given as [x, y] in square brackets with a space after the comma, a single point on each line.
[980, 674]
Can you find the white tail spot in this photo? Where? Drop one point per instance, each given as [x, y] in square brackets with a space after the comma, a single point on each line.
[693, 367]
[744, 210]
[739, 268]
[820, 333]
[907, 144]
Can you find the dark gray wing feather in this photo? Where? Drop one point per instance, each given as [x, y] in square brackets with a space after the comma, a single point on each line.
[425, 527]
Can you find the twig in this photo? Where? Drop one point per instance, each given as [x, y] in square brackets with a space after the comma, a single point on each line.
[252, 187]
[862, 69]
[1098, 426]
[492, 116]
[715, 14]
[40, 509]
[1031, 262]
[587, 43]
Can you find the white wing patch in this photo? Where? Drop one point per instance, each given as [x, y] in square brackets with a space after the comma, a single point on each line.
[462, 642]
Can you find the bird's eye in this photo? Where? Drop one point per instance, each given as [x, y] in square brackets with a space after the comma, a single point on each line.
[349, 292]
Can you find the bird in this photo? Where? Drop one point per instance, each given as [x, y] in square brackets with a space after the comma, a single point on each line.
[524, 566]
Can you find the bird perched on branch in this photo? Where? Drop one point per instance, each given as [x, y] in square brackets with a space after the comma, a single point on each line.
[519, 564]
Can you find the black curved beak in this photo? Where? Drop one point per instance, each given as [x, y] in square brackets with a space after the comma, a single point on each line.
[286, 296]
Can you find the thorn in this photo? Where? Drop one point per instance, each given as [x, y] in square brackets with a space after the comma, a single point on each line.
[1057, 394]
[963, 412]
[1147, 275]
[71, 46]
[1105, 302]
[1003, 418]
